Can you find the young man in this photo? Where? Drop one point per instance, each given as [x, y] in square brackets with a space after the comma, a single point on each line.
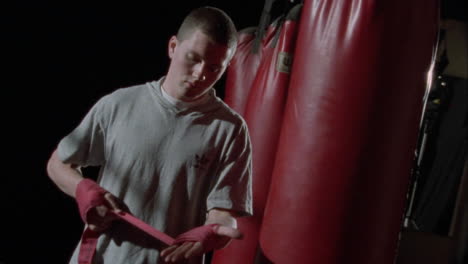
[170, 151]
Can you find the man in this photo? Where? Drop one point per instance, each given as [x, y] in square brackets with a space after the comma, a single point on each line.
[171, 153]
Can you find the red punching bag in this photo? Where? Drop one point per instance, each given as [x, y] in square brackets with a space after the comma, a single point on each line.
[264, 113]
[243, 67]
[350, 126]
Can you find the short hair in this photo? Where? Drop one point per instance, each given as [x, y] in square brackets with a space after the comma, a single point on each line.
[211, 21]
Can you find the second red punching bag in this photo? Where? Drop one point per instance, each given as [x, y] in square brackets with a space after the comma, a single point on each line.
[264, 113]
[349, 130]
[243, 68]
[242, 71]
[252, 43]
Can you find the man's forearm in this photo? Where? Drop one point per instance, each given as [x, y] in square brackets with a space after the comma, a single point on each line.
[222, 217]
[65, 176]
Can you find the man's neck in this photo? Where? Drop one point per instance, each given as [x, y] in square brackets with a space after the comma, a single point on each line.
[179, 103]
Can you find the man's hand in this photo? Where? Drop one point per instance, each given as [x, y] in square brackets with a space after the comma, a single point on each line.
[95, 204]
[99, 218]
[222, 236]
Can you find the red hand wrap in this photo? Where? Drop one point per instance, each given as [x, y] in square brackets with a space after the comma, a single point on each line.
[88, 195]
[205, 234]
[89, 238]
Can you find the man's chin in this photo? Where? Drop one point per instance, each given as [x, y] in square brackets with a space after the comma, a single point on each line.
[192, 97]
[189, 99]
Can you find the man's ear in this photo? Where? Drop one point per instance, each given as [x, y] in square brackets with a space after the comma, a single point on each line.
[172, 46]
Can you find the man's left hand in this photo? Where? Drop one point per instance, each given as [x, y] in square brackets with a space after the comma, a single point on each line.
[185, 250]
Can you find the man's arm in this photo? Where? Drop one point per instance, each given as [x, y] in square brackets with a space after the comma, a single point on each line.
[65, 176]
[221, 216]
[227, 222]
[225, 231]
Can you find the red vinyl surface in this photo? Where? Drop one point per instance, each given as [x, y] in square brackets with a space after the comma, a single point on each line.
[264, 113]
[242, 70]
[349, 131]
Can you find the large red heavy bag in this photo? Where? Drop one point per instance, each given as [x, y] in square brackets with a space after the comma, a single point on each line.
[243, 67]
[349, 130]
[264, 113]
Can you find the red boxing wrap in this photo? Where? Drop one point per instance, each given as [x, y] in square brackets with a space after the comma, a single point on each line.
[88, 195]
[205, 234]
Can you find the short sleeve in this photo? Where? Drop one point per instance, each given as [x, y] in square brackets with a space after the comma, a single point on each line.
[233, 189]
[84, 146]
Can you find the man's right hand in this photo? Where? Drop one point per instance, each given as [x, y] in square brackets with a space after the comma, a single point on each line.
[99, 218]
[95, 205]
[93, 201]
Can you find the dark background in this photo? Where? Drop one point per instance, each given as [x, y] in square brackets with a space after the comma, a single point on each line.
[58, 59]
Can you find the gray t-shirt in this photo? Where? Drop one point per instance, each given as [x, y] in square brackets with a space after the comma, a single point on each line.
[169, 165]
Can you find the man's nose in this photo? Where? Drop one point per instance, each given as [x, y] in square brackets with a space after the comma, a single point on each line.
[199, 71]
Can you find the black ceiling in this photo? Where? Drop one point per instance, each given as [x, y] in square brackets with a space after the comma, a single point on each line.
[454, 9]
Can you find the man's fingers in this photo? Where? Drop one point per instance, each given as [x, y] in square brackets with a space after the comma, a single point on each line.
[113, 202]
[93, 227]
[195, 250]
[96, 228]
[191, 249]
[228, 232]
[168, 250]
[99, 224]
[179, 252]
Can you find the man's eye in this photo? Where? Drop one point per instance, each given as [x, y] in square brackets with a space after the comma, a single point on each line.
[215, 69]
[190, 57]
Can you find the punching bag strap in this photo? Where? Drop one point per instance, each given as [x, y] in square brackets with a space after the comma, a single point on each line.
[264, 22]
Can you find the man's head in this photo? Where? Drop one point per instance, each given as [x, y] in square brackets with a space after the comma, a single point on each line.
[199, 53]
[213, 22]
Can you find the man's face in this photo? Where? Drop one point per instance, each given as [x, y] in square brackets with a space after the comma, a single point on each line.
[196, 64]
